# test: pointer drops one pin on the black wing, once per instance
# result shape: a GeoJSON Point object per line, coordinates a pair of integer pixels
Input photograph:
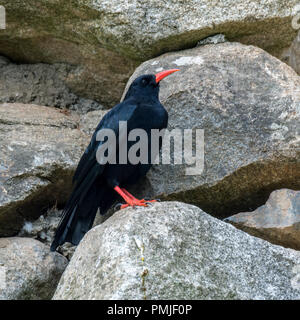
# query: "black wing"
{"type": "Point", "coordinates": [86, 174]}
{"type": "Point", "coordinates": [88, 161]}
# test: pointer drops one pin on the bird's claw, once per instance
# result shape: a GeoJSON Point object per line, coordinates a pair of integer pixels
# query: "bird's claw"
{"type": "Point", "coordinates": [134, 203]}
{"type": "Point", "coordinates": [130, 200]}
{"type": "Point", "coordinates": [118, 206]}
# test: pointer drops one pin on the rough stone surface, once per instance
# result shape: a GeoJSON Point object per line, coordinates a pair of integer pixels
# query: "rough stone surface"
{"type": "Point", "coordinates": [43, 229]}
{"type": "Point", "coordinates": [3, 61]}
{"type": "Point", "coordinates": [41, 148]}
{"type": "Point", "coordinates": [218, 38]}
{"type": "Point", "coordinates": [278, 221]}
{"type": "Point", "coordinates": [67, 32]}
{"type": "Point", "coordinates": [295, 54]}
{"type": "Point", "coordinates": [248, 104]}
{"type": "Point", "coordinates": [173, 250]}
{"type": "Point", "coordinates": [28, 270]}
{"type": "Point", "coordinates": [40, 84]}
{"type": "Point", "coordinates": [106, 40]}
{"type": "Point", "coordinates": [89, 122]}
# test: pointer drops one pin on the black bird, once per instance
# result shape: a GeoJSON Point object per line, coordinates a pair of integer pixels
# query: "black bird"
{"type": "Point", "coordinates": [97, 185]}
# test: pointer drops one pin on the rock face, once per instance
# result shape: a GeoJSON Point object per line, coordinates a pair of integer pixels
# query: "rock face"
{"type": "Point", "coordinates": [106, 40]}
{"type": "Point", "coordinates": [40, 84]}
{"type": "Point", "coordinates": [41, 148]}
{"type": "Point", "coordinates": [247, 103]}
{"type": "Point", "coordinates": [278, 221]}
{"type": "Point", "coordinates": [88, 122]}
{"type": "Point", "coordinates": [295, 54]}
{"type": "Point", "coordinates": [43, 229]}
{"type": "Point", "coordinates": [173, 250]}
{"type": "Point", "coordinates": [156, 27]}
{"type": "Point", "coordinates": [28, 270]}
{"type": "Point", "coordinates": [70, 33]}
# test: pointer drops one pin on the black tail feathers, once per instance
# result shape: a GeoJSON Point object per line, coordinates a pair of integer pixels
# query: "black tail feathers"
{"type": "Point", "coordinates": [79, 214]}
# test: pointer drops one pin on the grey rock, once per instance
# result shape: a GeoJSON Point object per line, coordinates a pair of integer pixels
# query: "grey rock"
{"type": "Point", "coordinates": [278, 221]}
{"type": "Point", "coordinates": [3, 61]}
{"type": "Point", "coordinates": [41, 84]}
{"type": "Point", "coordinates": [247, 102]}
{"type": "Point", "coordinates": [41, 149]}
{"type": "Point", "coordinates": [172, 250]}
{"type": "Point", "coordinates": [218, 38]}
{"type": "Point", "coordinates": [89, 121]}
{"type": "Point", "coordinates": [70, 33]}
{"type": "Point", "coordinates": [295, 54]}
{"type": "Point", "coordinates": [106, 40]}
{"type": "Point", "coordinates": [28, 270]}
{"type": "Point", "coordinates": [43, 229]}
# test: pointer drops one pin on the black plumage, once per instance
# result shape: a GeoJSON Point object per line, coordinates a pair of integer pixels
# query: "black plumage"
{"type": "Point", "coordinates": [93, 183]}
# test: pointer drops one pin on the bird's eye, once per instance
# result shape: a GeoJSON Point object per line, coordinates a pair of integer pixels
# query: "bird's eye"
{"type": "Point", "coordinates": [144, 82]}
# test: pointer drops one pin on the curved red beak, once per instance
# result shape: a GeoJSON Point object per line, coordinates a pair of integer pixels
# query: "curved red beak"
{"type": "Point", "coordinates": [159, 76]}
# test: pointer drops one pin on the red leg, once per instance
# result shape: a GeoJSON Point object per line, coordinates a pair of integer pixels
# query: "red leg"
{"type": "Point", "coordinates": [130, 199]}
{"type": "Point", "coordinates": [128, 194]}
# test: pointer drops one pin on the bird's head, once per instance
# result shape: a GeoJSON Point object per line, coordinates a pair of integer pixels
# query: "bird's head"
{"type": "Point", "coordinates": [147, 85]}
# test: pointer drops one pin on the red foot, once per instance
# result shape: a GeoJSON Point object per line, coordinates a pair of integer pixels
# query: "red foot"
{"type": "Point", "coordinates": [130, 199]}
